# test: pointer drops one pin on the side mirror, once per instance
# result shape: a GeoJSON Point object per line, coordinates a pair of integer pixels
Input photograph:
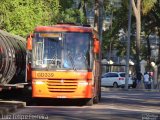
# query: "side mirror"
{"type": "Point", "coordinates": [96, 46]}
{"type": "Point", "coordinates": [29, 42]}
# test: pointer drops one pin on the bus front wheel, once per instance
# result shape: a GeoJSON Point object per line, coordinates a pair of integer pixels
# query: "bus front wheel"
{"type": "Point", "coordinates": [96, 99]}
{"type": "Point", "coordinates": [89, 102]}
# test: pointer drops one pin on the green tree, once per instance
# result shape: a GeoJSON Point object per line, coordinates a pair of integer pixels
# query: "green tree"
{"type": "Point", "coordinates": [151, 25]}
{"type": "Point", "coordinates": [119, 18]}
{"type": "Point", "coordinates": [145, 6]}
{"type": "Point", "coordinates": [21, 17]}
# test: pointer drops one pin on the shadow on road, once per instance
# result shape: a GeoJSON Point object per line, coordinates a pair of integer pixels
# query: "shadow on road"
{"type": "Point", "coordinates": [25, 96]}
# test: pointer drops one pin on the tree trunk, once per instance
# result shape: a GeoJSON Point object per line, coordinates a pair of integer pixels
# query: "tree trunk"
{"type": "Point", "coordinates": [158, 77]}
{"type": "Point", "coordinates": [98, 18]}
{"type": "Point", "coordinates": [100, 24]}
{"type": "Point", "coordinates": [148, 53]}
{"type": "Point", "coordinates": [96, 15]}
{"type": "Point", "coordinates": [138, 41]}
{"type": "Point", "coordinates": [137, 13]}
{"type": "Point", "coordinates": [158, 66]}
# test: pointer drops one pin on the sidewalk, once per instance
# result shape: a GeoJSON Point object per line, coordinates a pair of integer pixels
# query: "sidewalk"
{"type": "Point", "coordinates": [130, 89]}
{"type": "Point", "coordinates": [10, 106]}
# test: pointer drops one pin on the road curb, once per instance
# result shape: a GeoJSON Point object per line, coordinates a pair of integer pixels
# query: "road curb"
{"type": "Point", "coordinates": [122, 89]}
{"type": "Point", "coordinates": [10, 106]}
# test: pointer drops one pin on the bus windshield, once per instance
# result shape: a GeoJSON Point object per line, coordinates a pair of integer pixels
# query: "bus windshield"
{"type": "Point", "coordinates": [67, 50]}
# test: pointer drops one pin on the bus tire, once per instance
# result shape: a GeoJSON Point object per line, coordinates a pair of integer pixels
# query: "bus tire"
{"type": "Point", "coordinates": [96, 99]}
{"type": "Point", "coordinates": [99, 94]}
{"type": "Point", "coordinates": [89, 102]}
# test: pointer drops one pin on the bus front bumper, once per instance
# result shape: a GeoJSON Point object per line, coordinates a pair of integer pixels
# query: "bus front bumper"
{"type": "Point", "coordinates": [43, 89]}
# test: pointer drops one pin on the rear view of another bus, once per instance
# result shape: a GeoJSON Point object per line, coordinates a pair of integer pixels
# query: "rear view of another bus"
{"type": "Point", "coordinates": [65, 63]}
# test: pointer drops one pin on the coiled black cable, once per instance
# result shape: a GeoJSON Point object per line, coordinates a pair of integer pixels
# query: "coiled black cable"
{"type": "Point", "coordinates": [12, 58]}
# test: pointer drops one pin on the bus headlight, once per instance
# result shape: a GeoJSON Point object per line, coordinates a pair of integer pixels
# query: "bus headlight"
{"type": "Point", "coordinates": [84, 83]}
{"type": "Point", "coordinates": [38, 82]}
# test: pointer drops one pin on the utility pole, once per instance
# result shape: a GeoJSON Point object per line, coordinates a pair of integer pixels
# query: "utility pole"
{"type": "Point", "coordinates": [128, 45]}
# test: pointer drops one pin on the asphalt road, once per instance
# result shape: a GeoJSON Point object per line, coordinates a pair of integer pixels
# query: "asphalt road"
{"type": "Point", "coordinates": [115, 105]}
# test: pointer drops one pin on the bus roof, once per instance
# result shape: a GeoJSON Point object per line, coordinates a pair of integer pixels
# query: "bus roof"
{"type": "Point", "coordinates": [63, 28]}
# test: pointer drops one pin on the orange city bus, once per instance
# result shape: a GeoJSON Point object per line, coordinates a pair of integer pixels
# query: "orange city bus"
{"type": "Point", "coordinates": [64, 62]}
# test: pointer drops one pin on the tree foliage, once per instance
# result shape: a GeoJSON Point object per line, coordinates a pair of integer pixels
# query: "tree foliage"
{"type": "Point", "coordinates": [147, 6]}
{"type": "Point", "coordinates": [22, 16]}
{"type": "Point", "coordinates": [150, 11]}
{"type": "Point", "coordinates": [119, 18]}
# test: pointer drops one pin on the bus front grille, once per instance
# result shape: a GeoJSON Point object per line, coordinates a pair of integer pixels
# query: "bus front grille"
{"type": "Point", "coordinates": [62, 85]}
